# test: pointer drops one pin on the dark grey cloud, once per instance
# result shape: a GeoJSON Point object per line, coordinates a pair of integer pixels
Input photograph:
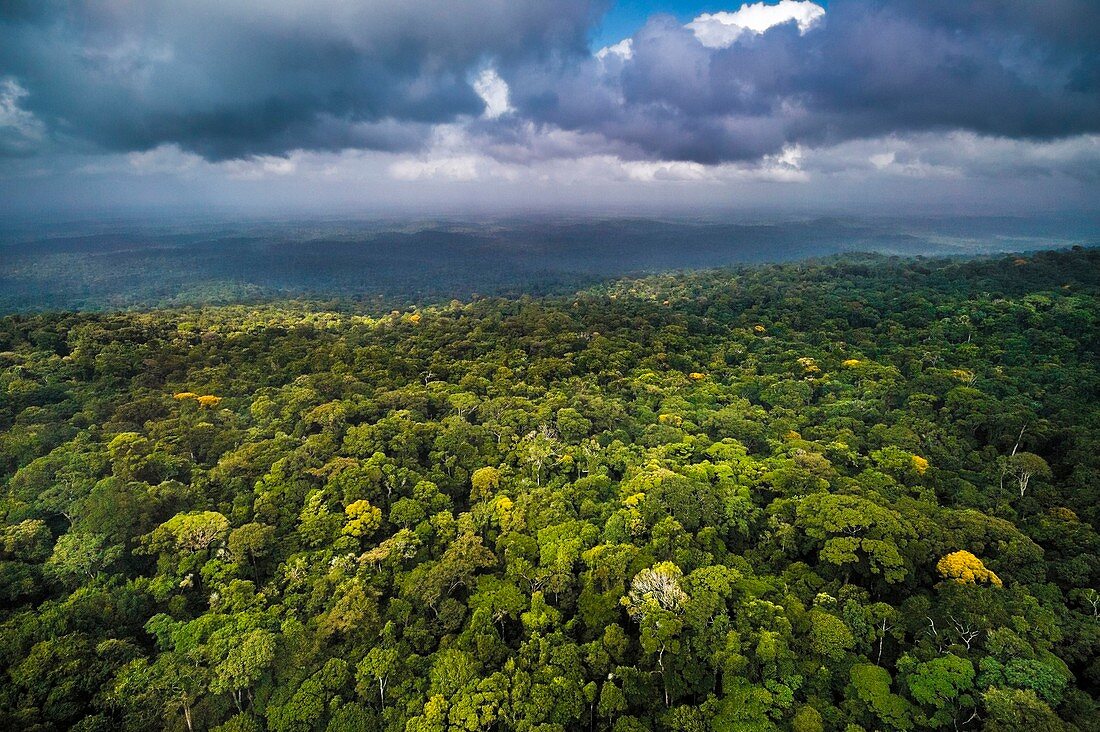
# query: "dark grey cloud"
{"type": "Point", "coordinates": [1014, 69]}
{"type": "Point", "coordinates": [238, 78]}
{"type": "Point", "coordinates": [232, 78]}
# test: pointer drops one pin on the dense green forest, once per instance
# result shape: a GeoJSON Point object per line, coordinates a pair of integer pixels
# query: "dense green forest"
{"type": "Point", "coordinates": [853, 494]}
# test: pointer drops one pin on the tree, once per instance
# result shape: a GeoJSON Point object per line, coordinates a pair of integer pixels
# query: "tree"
{"type": "Point", "coordinates": [363, 519]}
{"type": "Point", "coordinates": [1018, 709]}
{"type": "Point", "coordinates": [251, 542]}
{"type": "Point", "coordinates": [807, 719]}
{"type": "Point", "coordinates": [853, 530]}
{"type": "Point", "coordinates": [375, 671]}
{"type": "Point", "coordinates": [656, 602]}
{"type": "Point", "coordinates": [1089, 598]}
{"type": "Point", "coordinates": [943, 684]}
{"type": "Point", "coordinates": [655, 588]}
{"type": "Point", "coordinates": [456, 568]}
{"type": "Point", "coordinates": [196, 531]}
{"type": "Point", "coordinates": [483, 483]}
{"type": "Point", "coordinates": [1023, 466]}
{"type": "Point", "coordinates": [871, 686]}
{"type": "Point", "coordinates": [965, 568]}
{"type": "Point", "coordinates": [538, 447]}
{"type": "Point", "coordinates": [55, 678]}
{"type": "Point", "coordinates": [317, 523]}
{"type": "Point", "coordinates": [572, 425]}
{"type": "Point", "coordinates": [81, 556]}
{"type": "Point", "coordinates": [1024, 673]}
{"type": "Point", "coordinates": [28, 540]}
{"type": "Point", "coordinates": [130, 454]}
{"type": "Point", "coordinates": [153, 693]}
{"type": "Point", "coordinates": [244, 665]}
{"type": "Point", "coordinates": [830, 636]}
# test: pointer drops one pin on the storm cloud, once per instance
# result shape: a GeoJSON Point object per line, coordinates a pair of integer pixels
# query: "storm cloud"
{"type": "Point", "coordinates": [447, 86]}
{"type": "Point", "coordinates": [865, 69]}
{"type": "Point", "coordinates": [232, 78]}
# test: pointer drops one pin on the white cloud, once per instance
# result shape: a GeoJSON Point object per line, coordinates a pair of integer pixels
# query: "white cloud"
{"type": "Point", "coordinates": [781, 168]}
{"type": "Point", "coordinates": [462, 168]}
{"type": "Point", "coordinates": [883, 160]}
{"type": "Point", "coordinates": [721, 30]}
{"type": "Point", "coordinates": [624, 49]}
{"type": "Point", "coordinates": [20, 130]}
{"type": "Point", "coordinates": [451, 156]}
{"type": "Point", "coordinates": [164, 159]}
{"type": "Point", "coordinates": [493, 90]}
{"type": "Point", "coordinates": [173, 161]}
{"type": "Point", "coordinates": [565, 157]}
{"type": "Point", "coordinates": [261, 167]}
{"type": "Point", "coordinates": [959, 155]}
{"type": "Point", "coordinates": [664, 170]}
{"type": "Point", "coordinates": [562, 163]}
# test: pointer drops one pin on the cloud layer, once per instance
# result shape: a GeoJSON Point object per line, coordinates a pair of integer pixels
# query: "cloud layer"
{"type": "Point", "coordinates": [509, 90]}
{"type": "Point", "coordinates": [863, 69]}
{"type": "Point", "coordinates": [231, 78]}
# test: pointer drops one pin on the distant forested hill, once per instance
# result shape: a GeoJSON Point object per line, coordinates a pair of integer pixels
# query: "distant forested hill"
{"type": "Point", "coordinates": [854, 494]}
{"type": "Point", "coordinates": [110, 266]}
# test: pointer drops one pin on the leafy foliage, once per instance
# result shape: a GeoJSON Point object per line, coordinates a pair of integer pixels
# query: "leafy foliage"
{"type": "Point", "coordinates": [851, 494]}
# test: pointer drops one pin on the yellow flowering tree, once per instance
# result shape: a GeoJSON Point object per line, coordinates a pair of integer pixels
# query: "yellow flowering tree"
{"type": "Point", "coordinates": [965, 568]}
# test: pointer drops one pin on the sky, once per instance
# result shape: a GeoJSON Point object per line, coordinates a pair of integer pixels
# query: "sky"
{"type": "Point", "coordinates": [907, 106]}
{"type": "Point", "coordinates": [623, 19]}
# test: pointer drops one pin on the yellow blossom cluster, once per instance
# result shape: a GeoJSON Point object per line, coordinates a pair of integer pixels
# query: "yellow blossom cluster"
{"type": "Point", "coordinates": [965, 568]}
{"type": "Point", "coordinates": [206, 400]}
{"type": "Point", "coordinates": [809, 365]}
{"type": "Point", "coordinates": [502, 509]}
